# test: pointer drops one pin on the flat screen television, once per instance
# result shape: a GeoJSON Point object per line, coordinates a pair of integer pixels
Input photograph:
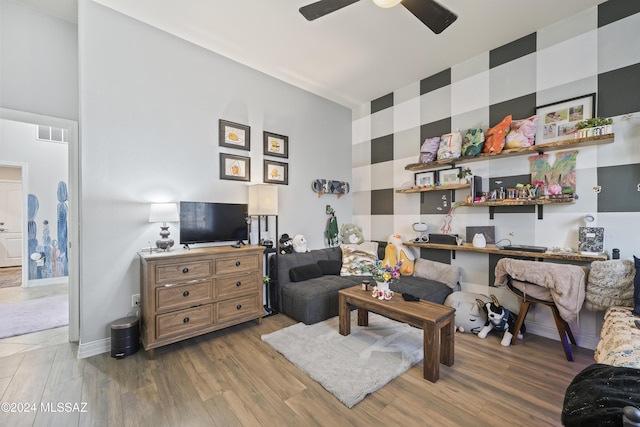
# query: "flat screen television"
{"type": "Point", "coordinates": [206, 222]}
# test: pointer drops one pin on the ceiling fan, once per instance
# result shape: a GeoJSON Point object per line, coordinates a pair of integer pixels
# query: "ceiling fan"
{"type": "Point", "coordinates": [432, 14]}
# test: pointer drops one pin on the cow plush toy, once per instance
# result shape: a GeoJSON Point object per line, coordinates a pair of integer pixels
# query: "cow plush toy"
{"type": "Point", "coordinates": [500, 319]}
{"type": "Point", "coordinates": [469, 316]}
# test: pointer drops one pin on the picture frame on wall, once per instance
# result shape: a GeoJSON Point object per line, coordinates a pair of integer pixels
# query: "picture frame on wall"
{"type": "Point", "coordinates": [275, 145]}
{"type": "Point", "coordinates": [276, 172]}
{"type": "Point", "coordinates": [557, 121]}
{"type": "Point", "coordinates": [235, 168]}
{"type": "Point", "coordinates": [234, 135]}
{"type": "Point", "coordinates": [449, 176]}
{"type": "Point", "coordinates": [425, 179]}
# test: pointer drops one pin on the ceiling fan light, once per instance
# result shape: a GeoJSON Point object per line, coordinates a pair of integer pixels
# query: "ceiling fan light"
{"type": "Point", "coordinates": [386, 3]}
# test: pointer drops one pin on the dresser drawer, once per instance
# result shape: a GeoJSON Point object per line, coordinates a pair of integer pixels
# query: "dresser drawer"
{"type": "Point", "coordinates": [180, 272]}
{"type": "Point", "coordinates": [183, 321]}
{"type": "Point", "coordinates": [183, 296]}
{"type": "Point", "coordinates": [237, 285]}
{"type": "Point", "coordinates": [239, 307]}
{"type": "Point", "coordinates": [237, 264]}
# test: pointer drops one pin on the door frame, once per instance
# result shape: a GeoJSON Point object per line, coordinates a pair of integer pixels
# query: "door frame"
{"type": "Point", "coordinates": [74, 248]}
{"type": "Point", "coordinates": [24, 173]}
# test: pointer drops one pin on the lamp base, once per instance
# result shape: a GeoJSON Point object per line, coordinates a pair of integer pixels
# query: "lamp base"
{"type": "Point", "coordinates": [164, 243]}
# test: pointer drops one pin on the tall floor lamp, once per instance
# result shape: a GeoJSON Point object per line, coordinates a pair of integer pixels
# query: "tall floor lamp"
{"type": "Point", "coordinates": [263, 201]}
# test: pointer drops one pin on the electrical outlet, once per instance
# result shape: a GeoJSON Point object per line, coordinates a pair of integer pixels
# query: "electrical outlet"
{"type": "Point", "coordinates": [135, 300]}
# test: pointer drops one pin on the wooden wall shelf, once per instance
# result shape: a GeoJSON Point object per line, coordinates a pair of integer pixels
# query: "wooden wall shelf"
{"type": "Point", "coordinates": [493, 249]}
{"type": "Point", "coordinates": [518, 202]}
{"type": "Point", "coordinates": [552, 146]}
{"type": "Point", "coordinates": [435, 188]}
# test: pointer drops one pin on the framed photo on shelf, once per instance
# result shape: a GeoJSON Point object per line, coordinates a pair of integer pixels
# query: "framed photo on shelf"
{"type": "Point", "coordinates": [275, 145]}
{"type": "Point", "coordinates": [276, 172]}
{"type": "Point", "coordinates": [234, 135]}
{"type": "Point", "coordinates": [449, 176]}
{"type": "Point", "coordinates": [425, 179]}
{"type": "Point", "coordinates": [235, 168]}
{"type": "Point", "coordinates": [557, 122]}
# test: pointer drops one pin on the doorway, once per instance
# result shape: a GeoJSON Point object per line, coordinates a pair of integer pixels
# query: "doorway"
{"type": "Point", "coordinates": [73, 203]}
{"type": "Point", "coordinates": [10, 216]}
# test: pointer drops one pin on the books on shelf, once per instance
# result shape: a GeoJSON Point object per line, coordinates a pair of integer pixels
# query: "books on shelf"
{"type": "Point", "coordinates": [590, 240]}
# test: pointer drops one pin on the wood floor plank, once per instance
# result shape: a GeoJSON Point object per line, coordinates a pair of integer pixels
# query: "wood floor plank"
{"type": "Point", "coordinates": [142, 406]}
{"type": "Point", "coordinates": [61, 404]}
{"type": "Point", "coordinates": [102, 394]}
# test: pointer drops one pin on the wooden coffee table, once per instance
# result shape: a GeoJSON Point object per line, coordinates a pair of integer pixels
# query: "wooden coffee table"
{"type": "Point", "coordinates": [436, 321]}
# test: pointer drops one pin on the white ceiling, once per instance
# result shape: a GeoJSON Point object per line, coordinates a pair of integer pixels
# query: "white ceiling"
{"type": "Point", "coordinates": [351, 56]}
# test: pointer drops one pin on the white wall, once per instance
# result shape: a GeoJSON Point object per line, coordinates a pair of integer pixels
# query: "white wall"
{"type": "Point", "coordinates": [38, 62]}
{"type": "Point", "coordinates": [149, 109]}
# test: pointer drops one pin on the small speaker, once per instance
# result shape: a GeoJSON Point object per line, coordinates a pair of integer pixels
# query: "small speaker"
{"type": "Point", "coordinates": [125, 337]}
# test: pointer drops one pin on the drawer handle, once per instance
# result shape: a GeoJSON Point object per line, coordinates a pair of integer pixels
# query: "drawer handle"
{"type": "Point", "coordinates": [237, 263]}
{"type": "Point", "coordinates": [185, 270]}
{"type": "Point", "coordinates": [185, 320]}
{"type": "Point", "coordinates": [238, 307]}
{"type": "Point", "coordinates": [185, 294]}
{"type": "Point", "coordinates": [238, 283]}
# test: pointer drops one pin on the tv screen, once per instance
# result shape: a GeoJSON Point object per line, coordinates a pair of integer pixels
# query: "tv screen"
{"type": "Point", "coordinates": [204, 222]}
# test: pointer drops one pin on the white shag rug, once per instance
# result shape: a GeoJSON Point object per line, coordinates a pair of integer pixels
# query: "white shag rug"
{"type": "Point", "coordinates": [24, 317]}
{"type": "Point", "coordinates": [352, 366]}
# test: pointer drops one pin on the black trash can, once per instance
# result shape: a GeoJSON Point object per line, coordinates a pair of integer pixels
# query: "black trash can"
{"type": "Point", "coordinates": [125, 337]}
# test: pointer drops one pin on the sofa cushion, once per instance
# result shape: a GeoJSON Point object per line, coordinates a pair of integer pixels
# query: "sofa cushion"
{"type": "Point", "coordinates": [305, 272]}
{"type": "Point", "coordinates": [365, 254]}
{"type": "Point", "coordinates": [429, 290]}
{"type": "Point", "coordinates": [432, 270]}
{"type": "Point", "coordinates": [330, 267]}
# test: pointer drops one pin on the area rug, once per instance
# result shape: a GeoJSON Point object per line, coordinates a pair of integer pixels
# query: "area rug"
{"type": "Point", "coordinates": [23, 317]}
{"type": "Point", "coordinates": [10, 277]}
{"type": "Point", "coordinates": [352, 366]}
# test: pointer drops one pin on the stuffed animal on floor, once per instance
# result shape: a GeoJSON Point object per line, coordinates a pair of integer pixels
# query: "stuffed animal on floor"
{"type": "Point", "coordinates": [300, 244]}
{"type": "Point", "coordinates": [351, 234]}
{"type": "Point", "coordinates": [500, 319]}
{"type": "Point", "coordinates": [286, 244]}
{"type": "Point", "coordinates": [403, 254]}
{"type": "Point", "coordinates": [470, 317]}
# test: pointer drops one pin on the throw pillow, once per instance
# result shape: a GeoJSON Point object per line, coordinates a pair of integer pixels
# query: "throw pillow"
{"type": "Point", "coordinates": [438, 271]}
{"type": "Point", "coordinates": [305, 272]}
{"type": "Point", "coordinates": [330, 267]}
{"type": "Point", "coordinates": [636, 288]}
{"type": "Point", "coordinates": [610, 283]}
{"type": "Point", "coordinates": [495, 136]}
{"type": "Point", "coordinates": [366, 254]}
{"type": "Point", "coordinates": [429, 149]}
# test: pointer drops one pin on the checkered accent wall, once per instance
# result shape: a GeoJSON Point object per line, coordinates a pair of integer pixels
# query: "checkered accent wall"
{"type": "Point", "coordinates": [595, 51]}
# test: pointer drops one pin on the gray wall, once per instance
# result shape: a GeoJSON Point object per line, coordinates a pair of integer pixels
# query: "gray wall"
{"type": "Point", "coordinates": [38, 62]}
{"type": "Point", "coordinates": [150, 104]}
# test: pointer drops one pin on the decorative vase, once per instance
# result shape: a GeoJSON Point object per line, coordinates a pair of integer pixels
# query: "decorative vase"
{"type": "Point", "coordinates": [479, 241]}
{"type": "Point", "coordinates": [382, 291]}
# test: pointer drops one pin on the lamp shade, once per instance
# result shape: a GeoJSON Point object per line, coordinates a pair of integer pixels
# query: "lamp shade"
{"type": "Point", "coordinates": [163, 212]}
{"type": "Point", "coordinates": [386, 3]}
{"type": "Point", "coordinates": [263, 199]}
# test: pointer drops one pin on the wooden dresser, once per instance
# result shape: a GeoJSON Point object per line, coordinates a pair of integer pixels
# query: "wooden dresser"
{"type": "Point", "coordinates": [186, 293]}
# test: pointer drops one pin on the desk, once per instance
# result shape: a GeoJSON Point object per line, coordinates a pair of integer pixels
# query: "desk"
{"type": "Point", "coordinates": [492, 249]}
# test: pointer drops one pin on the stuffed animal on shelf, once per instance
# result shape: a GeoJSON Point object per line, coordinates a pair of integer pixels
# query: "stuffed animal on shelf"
{"type": "Point", "coordinates": [470, 317]}
{"type": "Point", "coordinates": [286, 244]}
{"type": "Point", "coordinates": [300, 244]}
{"type": "Point", "coordinates": [500, 319]}
{"type": "Point", "coordinates": [351, 234]}
{"type": "Point", "coordinates": [403, 254]}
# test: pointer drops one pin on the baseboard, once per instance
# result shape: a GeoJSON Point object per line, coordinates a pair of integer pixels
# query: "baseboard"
{"type": "Point", "coordinates": [94, 348]}
{"type": "Point", "coordinates": [582, 340]}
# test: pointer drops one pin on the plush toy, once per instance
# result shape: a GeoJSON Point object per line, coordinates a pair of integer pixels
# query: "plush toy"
{"type": "Point", "coordinates": [286, 244]}
{"type": "Point", "coordinates": [500, 319]}
{"type": "Point", "coordinates": [351, 234]}
{"type": "Point", "coordinates": [403, 254]}
{"type": "Point", "coordinates": [469, 316]}
{"type": "Point", "coordinates": [300, 244]}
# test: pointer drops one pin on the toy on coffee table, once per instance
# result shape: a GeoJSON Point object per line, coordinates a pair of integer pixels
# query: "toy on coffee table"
{"type": "Point", "coordinates": [499, 319]}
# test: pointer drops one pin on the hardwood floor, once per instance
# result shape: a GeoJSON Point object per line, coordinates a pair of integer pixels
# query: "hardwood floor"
{"type": "Point", "coordinates": [232, 378]}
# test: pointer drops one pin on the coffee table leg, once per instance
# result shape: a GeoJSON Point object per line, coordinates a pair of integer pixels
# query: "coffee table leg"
{"type": "Point", "coordinates": [344, 315]}
{"type": "Point", "coordinates": [431, 343]}
{"type": "Point", "coordinates": [447, 341]}
{"type": "Point", "coordinates": [363, 317]}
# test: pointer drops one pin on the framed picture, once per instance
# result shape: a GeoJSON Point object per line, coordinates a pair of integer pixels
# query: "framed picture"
{"type": "Point", "coordinates": [449, 176]}
{"type": "Point", "coordinates": [275, 145]}
{"type": "Point", "coordinates": [276, 172]}
{"type": "Point", "coordinates": [235, 168]}
{"type": "Point", "coordinates": [234, 135]}
{"type": "Point", "coordinates": [425, 179]}
{"type": "Point", "coordinates": [557, 122]}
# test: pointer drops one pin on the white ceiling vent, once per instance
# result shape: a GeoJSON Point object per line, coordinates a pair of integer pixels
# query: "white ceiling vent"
{"type": "Point", "coordinates": [51, 134]}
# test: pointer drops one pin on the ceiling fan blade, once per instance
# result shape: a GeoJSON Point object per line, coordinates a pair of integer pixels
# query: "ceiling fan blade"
{"type": "Point", "coordinates": [323, 7]}
{"type": "Point", "coordinates": [432, 14]}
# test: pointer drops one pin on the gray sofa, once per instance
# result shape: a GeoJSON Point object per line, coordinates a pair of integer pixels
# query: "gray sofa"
{"type": "Point", "coordinates": [316, 299]}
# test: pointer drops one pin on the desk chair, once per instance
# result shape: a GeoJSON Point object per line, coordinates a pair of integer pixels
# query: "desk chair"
{"type": "Point", "coordinates": [566, 336]}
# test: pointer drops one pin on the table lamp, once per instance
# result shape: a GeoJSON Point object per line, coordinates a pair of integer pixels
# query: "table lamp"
{"type": "Point", "coordinates": [164, 212]}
